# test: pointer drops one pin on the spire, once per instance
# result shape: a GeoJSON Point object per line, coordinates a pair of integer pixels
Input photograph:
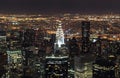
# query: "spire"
{"type": "Point", "coordinates": [59, 35]}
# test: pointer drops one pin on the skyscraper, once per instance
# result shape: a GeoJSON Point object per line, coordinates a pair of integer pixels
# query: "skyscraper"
{"type": "Point", "coordinates": [29, 37]}
{"type": "Point", "coordinates": [85, 36]}
{"type": "Point", "coordinates": [56, 65]}
{"type": "Point", "coordinates": [59, 35]}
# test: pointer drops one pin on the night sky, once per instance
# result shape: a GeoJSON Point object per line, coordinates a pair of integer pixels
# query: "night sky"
{"type": "Point", "coordinates": [59, 6]}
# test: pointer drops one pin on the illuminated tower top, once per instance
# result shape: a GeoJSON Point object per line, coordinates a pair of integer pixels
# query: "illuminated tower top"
{"type": "Point", "coordinates": [59, 35]}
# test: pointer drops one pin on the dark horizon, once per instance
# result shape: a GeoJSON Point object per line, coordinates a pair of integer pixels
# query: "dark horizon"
{"type": "Point", "coordinates": [60, 6]}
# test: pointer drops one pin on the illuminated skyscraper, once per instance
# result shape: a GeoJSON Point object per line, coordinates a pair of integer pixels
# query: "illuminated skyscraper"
{"type": "Point", "coordinates": [57, 65]}
{"type": "Point", "coordinates": [59, 35]}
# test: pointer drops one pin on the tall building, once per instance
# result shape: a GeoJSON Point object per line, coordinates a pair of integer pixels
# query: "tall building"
{"type": "Point", "coordinates": [14, 40]}
{"type": "Point", "coordinates": [85, 36]}
{"type": "Point", "coordinates": [53, 38]}
{"type": "Point", "coordinates": [3, 42]}
{"type": "Point", "coordinates": [56, 65]}
{"type": "Point", "coordinates": [29, 37]}
{"type": "Point", "coordinates": [3, 59]}
{"type": "Point", "coordinates": [59, 36]}
{"type": "Point", "coordinates": [73, 47]}
{"type": "Point", "coordinates": [3, 45]}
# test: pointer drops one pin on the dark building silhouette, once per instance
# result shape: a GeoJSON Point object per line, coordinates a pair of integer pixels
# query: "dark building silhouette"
{"type": "Point", "coordinates": [104, 68]}
{"type": "Point", "coordinates": [2, 33]}
{"type": "Point", "coordinates": [3, 59]}
{"type": "Point", "coordinates": [29, 37]}
{"type": "Point", "coordinates": [53, 38]}
{"type": "Point", "coordinates": [85, 36]}
{"type": "Point", "coordinates": [73, 47]}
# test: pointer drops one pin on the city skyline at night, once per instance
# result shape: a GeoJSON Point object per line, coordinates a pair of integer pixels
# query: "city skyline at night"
{"type": "Point", "coordinates": [59, 39]}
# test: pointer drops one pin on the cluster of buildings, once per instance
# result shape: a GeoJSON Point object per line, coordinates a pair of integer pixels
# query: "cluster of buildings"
{"type": "Point", "coordinates": [38, 52]}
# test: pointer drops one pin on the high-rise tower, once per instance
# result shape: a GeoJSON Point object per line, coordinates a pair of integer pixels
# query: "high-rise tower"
{"type": "Point", "coordinates": [59, 35]}
{"type": "Point", "coordinates": [85, 36]}
{"type": "Point", "coordinates": [57, 64]}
